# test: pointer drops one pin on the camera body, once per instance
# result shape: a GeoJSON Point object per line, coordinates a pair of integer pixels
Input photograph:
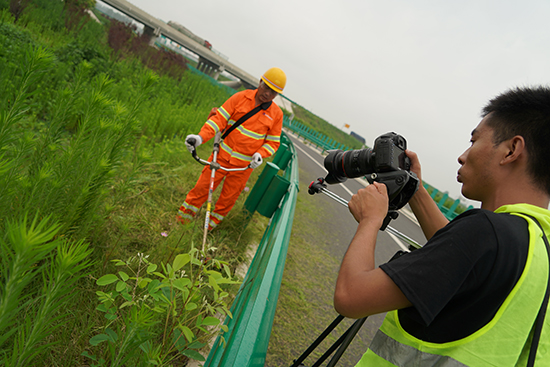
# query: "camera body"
{"type": "Point", "coordinates": [388, 154]}
{"type": "Point", "coordinates": [386, 163]}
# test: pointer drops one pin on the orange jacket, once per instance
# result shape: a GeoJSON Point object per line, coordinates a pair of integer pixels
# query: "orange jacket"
{"type": "Point", "coordinates": [260, 133]}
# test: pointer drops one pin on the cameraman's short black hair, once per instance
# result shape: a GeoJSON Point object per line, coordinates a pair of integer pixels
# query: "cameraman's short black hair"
{"type": "Point", "coordinates": [525, 111]}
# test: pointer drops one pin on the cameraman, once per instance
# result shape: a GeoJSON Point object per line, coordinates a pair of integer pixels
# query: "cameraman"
{"type": "Point", "coordinates": [471, 295]}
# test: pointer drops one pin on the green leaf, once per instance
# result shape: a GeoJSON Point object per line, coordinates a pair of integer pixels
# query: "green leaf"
{"type": "Point", "coordinates": [99, 339]}
{"type": "Point", "coordinates": [190, 306]}
{"type": "Point", "coordinates": [180, 261]}
{"type": "Point", "coordinates": [123, 275]}
{"type": "Point", "coordinates": [210, 321]}
{"type": "Point", "coordinates": [213, 282]}
{"type": "Point", "coordinates": [193, 355]}
{"type": "Point", "coordinates": [143, 282]}
{"type": "Point", "coordinates": [178, 339]}
{"type": "Point", "coordinates": [110, 316]}
{"type": "Point", "coordinates": [112, 334]}
{"type": "Point", "coordinates": [152, 287]}
{"type": "Point", "coordinates": [181, 283]}
{"type": "Point", "coordinates": [151, 268]}
{"type": "Point", "coordinates": [102, 308]}
{"type": "Point", "coordinates": [188, 333]}
{"type": "Point", "coordinates": [126, 304]}
{"type": "Point", "coordinates": [107, 279]}
{"type": "Point", "coordinates": [120, 286]}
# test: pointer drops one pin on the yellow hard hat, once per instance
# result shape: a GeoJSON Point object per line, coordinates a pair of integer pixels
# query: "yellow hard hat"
{"type": "Point", "coordinates": [275, 78]}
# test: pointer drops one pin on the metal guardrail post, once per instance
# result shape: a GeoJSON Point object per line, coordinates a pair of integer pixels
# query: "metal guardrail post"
{"type": "Point", "coordinates": [251, 203]}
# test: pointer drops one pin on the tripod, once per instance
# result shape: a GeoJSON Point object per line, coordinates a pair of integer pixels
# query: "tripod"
{"type": "Point", "coordinates": [345, 339]}
{"type": "Point", "coordinates": [342, 343]}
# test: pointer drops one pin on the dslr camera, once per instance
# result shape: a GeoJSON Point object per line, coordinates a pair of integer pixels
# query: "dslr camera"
{"type": "Point", "coordinates": [386, 163]}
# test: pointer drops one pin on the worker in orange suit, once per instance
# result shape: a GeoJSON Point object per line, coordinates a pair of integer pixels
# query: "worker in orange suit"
{"type": "Point", "coordinates": [247, 145]}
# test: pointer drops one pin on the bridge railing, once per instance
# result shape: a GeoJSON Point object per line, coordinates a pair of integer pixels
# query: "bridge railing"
{"type": "Point", "coordinates": [253, 309]}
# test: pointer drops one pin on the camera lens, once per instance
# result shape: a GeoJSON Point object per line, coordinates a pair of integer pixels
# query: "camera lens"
{"type": "Point", "coordinates": [343, 165]}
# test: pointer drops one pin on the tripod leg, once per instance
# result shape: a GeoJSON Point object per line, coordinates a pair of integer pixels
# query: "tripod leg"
{"type": "Point", "coordinates": [317, 341]}
{"type": "Point", "coordinates": [344, 338]}
{"type": "Point", "coordinates": [349, 337]}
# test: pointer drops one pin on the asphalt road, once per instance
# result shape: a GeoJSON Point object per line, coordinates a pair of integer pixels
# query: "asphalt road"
{"type": "Point", "coordinates": [340, 226]}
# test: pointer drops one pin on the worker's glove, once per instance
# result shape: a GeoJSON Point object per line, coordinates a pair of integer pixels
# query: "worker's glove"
{"type": "Point", "coordinates": [192, 142]}
{"type": "Point", "coordinates": [256, 160]}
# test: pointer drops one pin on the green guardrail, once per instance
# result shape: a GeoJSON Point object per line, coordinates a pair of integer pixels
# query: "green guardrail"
{"type": "Point", "coordinates": [320, 140]}
{"type": "Point", "coordinates": [449, 207]}
{"type": "Point", "coordinates": [246, 341]}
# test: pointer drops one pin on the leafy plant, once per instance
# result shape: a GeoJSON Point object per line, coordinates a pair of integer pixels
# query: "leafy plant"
{"type": "Point", "coordinates": [30, 314]}
{"type": "Point", "coordinates": [157, 315]}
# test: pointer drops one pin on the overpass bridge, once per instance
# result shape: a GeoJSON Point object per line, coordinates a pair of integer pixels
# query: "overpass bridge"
{"type": "Point", "coordinates": [209, 62]}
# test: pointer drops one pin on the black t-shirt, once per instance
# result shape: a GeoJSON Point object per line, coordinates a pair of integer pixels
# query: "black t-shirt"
{"type": "Point", "coordinates": [459, 279]}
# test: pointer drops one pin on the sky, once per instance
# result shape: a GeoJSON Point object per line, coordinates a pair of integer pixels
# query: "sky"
{"type": "Point", "coordinates": [423, 69]}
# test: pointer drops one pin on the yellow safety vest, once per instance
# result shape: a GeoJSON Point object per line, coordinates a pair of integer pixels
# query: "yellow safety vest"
{"type": "Point", "coordinates": [504, 341]}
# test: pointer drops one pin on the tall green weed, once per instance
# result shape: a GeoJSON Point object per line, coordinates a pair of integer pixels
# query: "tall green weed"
{"type": "Point", "coordinates": [87, 150]}
{"type": "Point", "coordinates": [38, 274]}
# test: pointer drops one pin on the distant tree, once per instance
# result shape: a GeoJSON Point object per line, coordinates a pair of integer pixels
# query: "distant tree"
{"type": "Point", "coordinates": [17, 7]}
{"type": "Point", "coordinates": [75, 11]}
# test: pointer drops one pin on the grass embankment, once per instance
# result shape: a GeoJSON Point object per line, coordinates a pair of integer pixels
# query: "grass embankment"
{"type": "Point", "coordinates": [318, 124]}
{"type": "Point", "coordinates": [92, 169]}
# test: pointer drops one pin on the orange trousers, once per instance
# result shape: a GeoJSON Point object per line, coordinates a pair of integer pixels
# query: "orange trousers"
{"type": "Point", "coordinates": [233, 185]}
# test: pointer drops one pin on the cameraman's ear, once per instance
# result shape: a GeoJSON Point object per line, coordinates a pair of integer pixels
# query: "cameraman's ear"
{"type": "Point", "coordinates": [514, 149]}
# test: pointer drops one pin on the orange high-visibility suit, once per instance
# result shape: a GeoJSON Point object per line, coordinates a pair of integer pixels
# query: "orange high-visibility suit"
{"type": "Point", "coordinates": [260, 133]}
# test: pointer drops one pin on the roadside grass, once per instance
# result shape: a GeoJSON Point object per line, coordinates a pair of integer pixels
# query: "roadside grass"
{"type": "Point", "coordinates": [143, 221]}
{"type": "Point", "coordinates": [97, 145]}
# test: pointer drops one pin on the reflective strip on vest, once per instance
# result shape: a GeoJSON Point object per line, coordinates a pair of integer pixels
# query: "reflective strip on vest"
{"type": "Point", "coordinates": [503, 341]}
{"type": "Point", "coordinates": [269, 148]}
{"type": "Point", "coordinates": [273, 138]}
{"type": "Point", "coordinates": [235, 154]}
{"type": "Point", "coordinates": [224, 113]}
{"type": "Point", "coordinates": [402, 355]}
{"type": "Point", "coordinates": [249, 133]}
{"type": "Point", "coordinates": [213, 125]}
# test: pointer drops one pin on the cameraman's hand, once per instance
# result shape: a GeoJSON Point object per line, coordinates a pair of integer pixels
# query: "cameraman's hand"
{"type": "Point", "coordinates": [370, 204]}
{"type": "Point", "coordinates": [415, 164]}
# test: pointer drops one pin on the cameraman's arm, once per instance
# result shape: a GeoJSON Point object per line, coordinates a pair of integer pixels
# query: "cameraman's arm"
{"type": "Point", "coordinates": [424, 207]}
{"type": "Point", "coordinates": [362, 289]}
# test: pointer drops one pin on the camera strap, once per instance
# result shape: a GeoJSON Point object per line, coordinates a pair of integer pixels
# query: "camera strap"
{"type": "Point", "coordinates": [542, 312]}
{"type": "Point", "coordinates": [263, 106]}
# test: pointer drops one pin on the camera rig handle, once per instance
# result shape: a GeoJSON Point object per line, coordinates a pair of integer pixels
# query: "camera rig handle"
{"type": "Point", "coordinates": [319, 186]}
